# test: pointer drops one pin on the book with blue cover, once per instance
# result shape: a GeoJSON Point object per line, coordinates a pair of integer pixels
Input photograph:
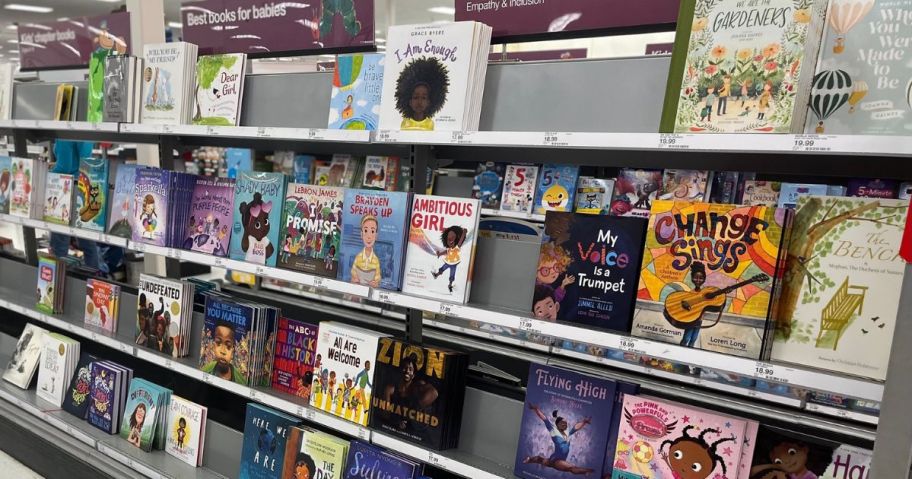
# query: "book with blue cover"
{"type": "Point", "coordinates": [373, 238]}
{"type": "Point", "coordinates": [790, 192]}
{"type": "Point", "coordinates": [258, 199]}
{"type": "Point", "coordinates": [357, 88]}
{"type": "Point", "coordinates": [6, 180]}
{"type": "Point", "coordinates": [556, 188]}
{"type": "Point", "coordinates": [226, 344]}
{"type": "Point", "coordinates": [140, 417]}
{"type": "Point", "coordinates": [120, 213]}
{"type": "Point", "coordinates": [366, 461]}
{"type": "Point", "coordinates": [92, 194]}
{"type": "Point", "coordinates": [150, 206]}
{"type": "Point", "coordinates": [565, 425]}
{"type": "Point", "coordinates": [265, 436]}
{"type": "Point", "coordinates": [489, 183]}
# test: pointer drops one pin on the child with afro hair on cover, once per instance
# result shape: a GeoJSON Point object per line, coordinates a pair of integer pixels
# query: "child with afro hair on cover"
{"type": "Point", "coordinates": [421, 91]}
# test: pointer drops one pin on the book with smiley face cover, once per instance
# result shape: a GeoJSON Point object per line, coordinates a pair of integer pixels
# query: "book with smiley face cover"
{"type": "Point", "coordinates": [258, 199]}
{"type": "Point", "coordinates": [556, 188]}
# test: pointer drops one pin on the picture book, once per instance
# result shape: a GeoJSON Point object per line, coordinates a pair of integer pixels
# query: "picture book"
{"type": "Point", "coordinates": [265, 438]}
{"type": "Point", "coordinates": [58, 198]}
{"type": "Point", "coordinates": [238, 160]}
{"type": "Point", "coordinates": [588, 269]}
{"type": "Point", "coordinates": [320, 454]}
{"type": "Point", "coordinates": [92, 194]}
{"type": "Point", "coordinates": [22, 365]}
{"type": "Point", "coordinates": [226, 343]}
{"type": "Point", "coordinates": [120, 221]}
{"type": "Point", "coordinates": [593, 195]}
{"type": "Point", "coordinates": [77, 398]}
{"type": "Point", "coordinates": [685, 185]}
{"type": "Point", "coordinates": [489, 184]}
{"type": "Point", "coordinates": [209, 228]}
{"type": "Point", "coordinates": [58, 359]}
{"type": "Point", "coordinates": [366, 461]}
{"type": "Point", "coordinates": [302, 168]}
{"type": "Point", "coordinates": [789, 453]}
{"type": "Point", "coordinates": [311, 229]}
{"type": "Point", "coordinates": [761, 193]}
{"type": "Point", "coordinates": [186, 430]}
{"type": "Point", "coordinates": [875, 188]}
{"type": "Point", "coordinates": [102, 304]}
{"type": "Point", "coordinates": [842, 283]}
{"type": "Point", "coordinates": [519, 186]}
{"type": "Point", "coordinates": [565, 423]}
{"type": "Point", "coordinates": [159, 314]}
{"type": "Point", "coordinates": [441, 247]}
{"type": "Point", "coordinates": [417, 393]}
{"type": "Point", "coordinates": [374, 229]}
{"type": "Point", "coordinates": [709, 275]}
{"type": "Point", "coordinates": [634, 192]}
{"type": "Point", "coordinates": [381, 173]}
{"type": "Point", "coordinates": [5, 180]}
{"type": "Point", "coordinates": [167, 78]}
{"type": "Point", "coordinates": [295, 354]}
{"type": "Point", "coordinates": [96, 92]}
{"type": "Point", "coordinates": [49, 280]}
{"type": "Point", "coordinates": [861, 85]}
{"type": "Point", "coordinates": [849, 462]}
{"type": "Point", "coordinates": [344, 385]}
{"type": "Point", "coordinates": [741, 67]}
{"type": "Point", "coordinates": [357, 86]}
{"type": "Point", "coordinates": [27, 187]}
{"type": "Point", "coordinates": [258, 199]}
{"type": "Point", "coordinates": [658, 438]}
{"type": "Point", "coordinates": [556, 188]}
{"type": "Point", "coordinates": [617, 413]}
{"type": "Point", "coordinates": [116, 83]}
{"type": "Point", "coordinates": [105, 395]}
{"type": "Point", "coordinates": [219, 89]}
{"type": "Point", "coordinates": [790, 192]}
{"type": "Point", "coordinates": [151, 206]}
{"type": "Point", "coordinates": [139, 416]}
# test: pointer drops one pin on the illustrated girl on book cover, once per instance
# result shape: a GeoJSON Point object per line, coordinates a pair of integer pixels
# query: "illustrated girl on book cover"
{"type": "Point", "coordinates": [137, 419]}
{"type": "Point", "coordinates": [452, 239]}
{"type": "Point", "coordinates": [421, 91]}
{"type": "Point", "coordinates": [148, 217]}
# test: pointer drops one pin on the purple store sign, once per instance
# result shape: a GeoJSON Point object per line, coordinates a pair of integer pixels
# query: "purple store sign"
{"type": "Point", "coordinates": [511, 18]}
{"type": "Point", "coordinates": [659, 48]}
{"type": "Point", "coordinates": [70, 43]}
{"type": "Point", "coordinates": [265, 28]}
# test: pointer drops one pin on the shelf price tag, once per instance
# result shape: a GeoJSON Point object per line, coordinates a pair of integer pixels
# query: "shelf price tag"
{"type": "Point", "coordinates": [212, 131]}
{"type": "Point", "coordinates": [384, 136]}
{"type": "Point", "coordinates": [628, 345]}
{"type": "Point", "coordinates": [768, 372]}
{"type": "Point", "coordinates": [167, 129]}
{"type": "Point", "coordinates": [259, 271]}
{"type": "Point", "coordinates": [318, 282]}
{"type": "Point", "coordinates": [551, 138]}
{"type": "Point", "coordinates": [262, 132]}
{"type": "Point", "coordinates": [363, 434]}
{"type": "Point", "coordinates": [218, 261]}
{"type": "Point", "coordinates": [447, 309]}
{"type": "Point", "coordinates": [672, 141]}
{"type": "Point", "coordinates": [435, 460]}
{"type": "Point", "coordinates": [254, 394]}
{"type": "Point", "coordinates": [310, 414]}
{"type": "Point", "coordinates": [313, 134]}
{"type": "Point", "coordinates": [811, 143]}
{"type": "Point", "coordinates": [384, 297]}
{"type": "Point", "coordinates": [526, 324]}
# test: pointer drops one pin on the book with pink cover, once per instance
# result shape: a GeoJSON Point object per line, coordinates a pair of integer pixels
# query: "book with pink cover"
{"type": "Point", "coordinates": [660, 439]}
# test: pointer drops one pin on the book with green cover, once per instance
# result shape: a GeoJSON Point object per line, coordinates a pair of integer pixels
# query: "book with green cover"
{"type": "Point", "coordinates": [319, 453]}
{"type": "Point", "coordinates": [95, 112]}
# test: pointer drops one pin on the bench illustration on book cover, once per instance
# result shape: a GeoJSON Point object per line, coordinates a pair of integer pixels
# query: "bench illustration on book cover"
{"type": "Point", "coordinates": [357, 88]}
{"type": "Point", "coordinates": [311, 229]}
{"type": "Point", "coordinates": [209, 229]}
{"type": "Point", "coordinates": [588, 269]}
{"type": "Point", "coordinates": [841, 286]}
{"type": "Point", "coordinates": [226, 340]}
{"type": "Point", "coordinates": [565, 424]}
{"type": "Point", "coordinates": [92, 194]}
{"type": "Point", "coordinates": [258, 199]}
{"type": "Point", "coordinates": [708, 275]}
{"type": "Point", "coordinates": [373, 238]}
{"type": "Point", "coordinates": [295, 354]}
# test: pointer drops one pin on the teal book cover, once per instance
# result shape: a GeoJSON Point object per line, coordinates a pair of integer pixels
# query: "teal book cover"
{"type": "Point", "coordinates": [140, 413]}
{"type": "Point", "coordinates": [357, 87]}
{"type": "Point", "coordinates": [258, 200]}
{"type": "Point", "coordinates": [92, 194]}
{"type": "Point", "coordinates": [265, 436]}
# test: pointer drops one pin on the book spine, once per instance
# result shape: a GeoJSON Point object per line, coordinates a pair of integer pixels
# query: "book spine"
{"type": "Point", "coordinates": [678, 63]}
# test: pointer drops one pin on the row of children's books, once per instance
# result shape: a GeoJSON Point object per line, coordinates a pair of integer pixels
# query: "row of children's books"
{"type": "Point", "coordinates": [107, 395]}
{"type": "Point", "coordinates": [576, 424]}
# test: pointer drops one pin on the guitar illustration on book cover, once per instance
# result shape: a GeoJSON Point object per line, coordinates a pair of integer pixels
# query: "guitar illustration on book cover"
{"type": "Point", "coordinates": [685, 309]}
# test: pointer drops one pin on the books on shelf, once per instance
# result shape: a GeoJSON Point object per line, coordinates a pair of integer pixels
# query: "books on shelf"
{"type": "Point", "coordinates": [51, 284]}
{"type": "Point", "coordinates": [593, 195]}
{"type": "Point", "coordinates": [92, 194]}
{"type": "Point", "coordinates": [164, 314]}
{"type": "Point", "coordinates": [724, 186]}
{"type": "Point", "coordinates": [108, 395]}
{"type": "Point", "coordinates": [102, 304]}
{"type": "Point", "coordinates": [186, 430]}
{"type": "Point", "coordinates": [381, 173]}
{"type": "Point", "coordinates": [22, 365]}
{"type": "Point", "coordinates": [258, 199]}
{"type": "Point", "coordinates": [685, 185]}
{"type": "Point", "coordinates": [761, 193]}
{"type": "Point", "coordinates": [369, 461]}
{"type": "Point", "coordinates": [122, 88]}
{"type": "Point", "coordinates": [58, 198]}
{"type": "Point", "coordinates": [77, 397]}
{"type": "Point", "coordinates": [709, 276]}
{"type": "Point", "coordinates": [738, 68]}
{"type": "Point", "coordinates": [373, 238]}
{"type": "Point", "coordinates": [121, 215]}
{"type": "Point", "coordinates": [790, 192]}
{"type": "Point", "coordinates": [872, 188]}
{"type": "Point", "coordinates": [489, 184]}
{"type": "Point", "coordinates": [265, 439]}
{"type": "Point", "coordinates": [311, 228]}
{"type": "Point", "coordinates": [418, 393]}
{"type": "Point", "coordinates": [434, 76]}
{"type": "Point", "coordinates": [209, 228]}
{"type": "Point", "coordinates": [143, 415]}
{"type": "Point", "coordinates": [587, 270]}
{"type": "Point", "coordinates": [634, 192]}
{"type": "Point", "coordinates": [556, 188]}
{"type": "Point", "coordinates": [320, 454]}
{"type": "Point", "coordinates": [842, 284]}
{"type": "Point", "coordinates": [7, 70]}
{"type": "Point", "coordinates": [59, 355]}
{"type": "Point", "coordinates": [6, 179]}
{"type": "Point", "coordinates": [238, 340]}
{"type": "Point", "coordinates": [295, 355]}
{"type": "Point", "coordinates": [344, 386]}
{"type": "Point", "coordinates": [65, 101]}
{"type": "Point", "coordinates": [357, 87]}
{"type": "Point", "coordinates": [152, 206]}
{"type": "Point", "coordinates": [219, 89]}
{"type": "Point", "coordinates": [28, 178]}
{"type": "Point", "coordinates": [861, 84]}
{"type": "Point", "coordinates": [168, 76]}
{"type": "Point", "coordinates": [519, 185]}
{"type": "Point", "coordinates": [441, 247]}
{"type": "Point", "coordinates": [96, 91]}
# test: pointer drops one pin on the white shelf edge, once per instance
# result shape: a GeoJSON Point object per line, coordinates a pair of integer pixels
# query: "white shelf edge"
{"type": "Point", "coordinates": [67, 230]}
{"type": "Point", "coordinates": [60, 125]}
{"type": "Point", "coordinates": [432, 458]}
{"type": "Point", "coordinates": [274, 133]}
{"type": "Point", "coordinates": [55, 422]}
{"type": "Point", "coordinates": [843, 413]}
{"type": "Point", "coordinates": [510, 214]}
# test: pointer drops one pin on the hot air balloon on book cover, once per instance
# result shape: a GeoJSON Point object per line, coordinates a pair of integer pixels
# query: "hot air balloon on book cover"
{"type": "Point", "coordinates": [863, 83]}
{"type": "Point", "coordinates": [357, 87]}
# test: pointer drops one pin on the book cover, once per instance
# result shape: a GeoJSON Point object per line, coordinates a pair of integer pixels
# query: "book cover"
{"type": "Point", "coordinates": [77, 397]}
{"type": "Point", "coordinates": [58, 353]}
{"type": "Point", "coordinates": [22, 172]}
{"type": "Point", "coordinates": [186, 423]}
{"type": "Point", "coordinates": [265, 439]}
{"type": "Point", "coordinates": [441, 247]}
{"type": "Point", "coordinates": [418, 392]}
{"type": "Point", "coordinates": [102, 301]}
{"type": "Point", "coordinates": [344, 385]}
{"type": "Point", "coordinates": [258, 199]}
{"type": "Point", "coordinates": [634, 192]}
{"type": "Point", "coordinates": [842, 283]}
{"type": "Point", "coordinates": [219, 88]}
{"type": "Point", "coordinates": [58, 198]}
{"type": "Point", "coordinates": [314, 454]}
{"type": "Point", "coordinates": [295, 354]}
{"type": "Point", "coordinates": [904, 193]}
{"type": "Point", "coordinates": [302, 167]}
{"type": "Point", "coordinates": [159, 312]}
{"type": "Point", "coordinates": [380, 173]}
{"type": "Point", "coordinates": [790, 192]}
{"type": "Point", "coordinates": [47, 284]}
{"type": "Point", "coordinates": [92, 194]}
{"type": "Point", "coordinates": [685, 185]}
{"type": "Point", "coordinates": [140, 415]}
{"type": "Point", "coordinates": [565, 424]}
{"type": "Point", "coordinates": [876, 188]}
{"type": "Point", "coordinates": [849, 462]}
{"type": "Point", "coordinates": [209, 229]}
{"type": "Point", "coordinates": [724, 187]}
{"type": "Point", "coordinates": [861, 85]}
{"type": "Point", "coordinates": [150, 206]}
{"type": "Point", "coordinates": [489, 184]}
{"type": "Point", "coordinates": [165, 83]}
{"type": "Point", "coordinates": [96, 91]}
{"type": "Point", "coordinates": [22, 365]}
{"type": "Point", "coordinates": [357, 86]}
{"type": "Point", "coordinates": [366, 461]}
{"type": "Point", "coordinates": [311, 229]}
{"type": "Point", "coordinates": [791, 454]}
{"type": "Point", "coordinates": [593, 196]}
{"type": "Point", "coordinates": [116, 88]}
{"type": "Point", "coordinates": [708, 275]}
{"type": "Point", "coordinates": [588, 270]}
{"type": "Point", "coordinates": [556, 188]}
{"type": "Point", "coordinates": [761, 193]}
{"type": "Point", "coordinates": [739, 66]}
{"type": "Point", "coordinates": [519, 189]}
{"type": "Point", "coordinates": [120, 220]}
{"type": "Point", "coordinates": [373, 238]}
{"type": "Point", "coordinates": [103, 394]}
{"type": "Point", "coordinates": [226, 342]}
{"type": "Point", "coordinates": [6, 180]}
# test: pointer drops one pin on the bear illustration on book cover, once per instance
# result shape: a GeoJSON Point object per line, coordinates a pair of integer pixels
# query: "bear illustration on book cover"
{"type": "Point", "coordinates": [588, 269]}
{"type": "Point", "coordinates": [708, 275]}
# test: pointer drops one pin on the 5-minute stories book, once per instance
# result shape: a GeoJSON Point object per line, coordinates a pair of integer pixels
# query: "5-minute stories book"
{"type": "Point", "coordinates": [373, 238]}
{"type": "Point", "coordinates": [311, 229]}
{"type": "Point", "coordinates": [588, 269]}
